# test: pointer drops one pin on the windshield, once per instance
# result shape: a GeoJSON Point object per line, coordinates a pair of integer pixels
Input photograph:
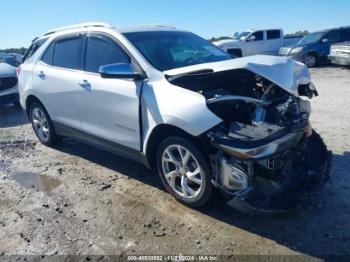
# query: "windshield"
{"type": "Point", "coordinates": [239, 36]}
{"type": "Point", "coordinates": [311, 38]}
{"type": "Point", "coordinates": [167, 50]}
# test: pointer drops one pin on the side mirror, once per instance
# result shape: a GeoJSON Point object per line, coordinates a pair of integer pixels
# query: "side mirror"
{"type": "Point", "coordinates": [120, 70]}
{"type": "Point", "coordinates": [251, 38]}
{"type": "Point", "coordinates": [325, 40]}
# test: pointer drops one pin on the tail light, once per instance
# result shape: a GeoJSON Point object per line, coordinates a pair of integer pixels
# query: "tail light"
{"type": "Point", "coordinates": [18, 70]}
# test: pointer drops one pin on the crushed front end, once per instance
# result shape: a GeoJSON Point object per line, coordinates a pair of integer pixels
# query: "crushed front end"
{"type": "Point", "coordinates": [268, 157]}
{"type": "Point", "coordinates": [265, 155]}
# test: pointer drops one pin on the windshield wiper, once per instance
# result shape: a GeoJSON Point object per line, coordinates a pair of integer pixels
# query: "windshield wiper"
{"type": "Point", "coordinates": [191, 73]}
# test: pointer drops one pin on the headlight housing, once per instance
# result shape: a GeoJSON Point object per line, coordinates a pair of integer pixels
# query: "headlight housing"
{"type": "Point", "coordinates": [296, 50]}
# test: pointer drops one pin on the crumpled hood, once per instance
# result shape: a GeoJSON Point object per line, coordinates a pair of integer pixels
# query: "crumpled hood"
{"type": "Point", "coordinates": [283, 71]}
{"type": "Point", "coordinates": [7, 70]}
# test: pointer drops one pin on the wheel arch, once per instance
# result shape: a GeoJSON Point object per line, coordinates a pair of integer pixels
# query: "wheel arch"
{"type": "Point", "coordinates": [29, 101]}
{"type": "Point", "coordinates": [313, 52]}
{"type": "Point", "coordinates": [162, 131]}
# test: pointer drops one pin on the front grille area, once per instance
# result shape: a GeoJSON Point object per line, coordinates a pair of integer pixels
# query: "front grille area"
{"type": "Point", "coordinates": [7, 83]}
{"type": "Point", "coordinates": [284, 51]}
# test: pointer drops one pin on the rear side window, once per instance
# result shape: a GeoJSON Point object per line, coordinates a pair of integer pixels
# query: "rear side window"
{"type": "Point", "coordinates": [259, 36]}
{"type": "Point", "coordinates": [67, 53]}
{"type": "Point", "coordinates": [273, 34]}
{"type": "Point", "coordinates": [345, 35]}
{"type": "Point", "coordinates": [101, 50]}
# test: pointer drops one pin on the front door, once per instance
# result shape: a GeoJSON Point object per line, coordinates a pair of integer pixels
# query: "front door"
{"type": "Point", "coordinates": [109, 107]}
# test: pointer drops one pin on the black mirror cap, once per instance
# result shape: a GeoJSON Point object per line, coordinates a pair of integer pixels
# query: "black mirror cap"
{"type": "Point", "coordinates": [120, 70]}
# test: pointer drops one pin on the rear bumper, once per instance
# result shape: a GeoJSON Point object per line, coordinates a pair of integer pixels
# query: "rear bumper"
{"type": "Point", "coordinates": [340, 60]}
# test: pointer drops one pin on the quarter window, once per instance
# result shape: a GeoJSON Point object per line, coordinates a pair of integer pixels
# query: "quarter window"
{"type": "Point", "coordinates": [47, 57]}
{"type": "Point", "coordinates": [101, 50]}
{"type": "Point", "coordinates": [33, 48]}
{"type": "Point", "coordinates": [273, 34]}
{"type": "Point", "coordinates": [67, 53]}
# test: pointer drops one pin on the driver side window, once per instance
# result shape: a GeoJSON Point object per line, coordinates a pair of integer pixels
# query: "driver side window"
{"type": "Point", "coordinates": [259, 36]}
{"type": "Point", "coordinates": [101, 50]}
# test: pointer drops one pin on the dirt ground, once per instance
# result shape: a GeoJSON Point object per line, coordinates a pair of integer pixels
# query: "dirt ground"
{"type": "Point", "coordinates": [76, 199]}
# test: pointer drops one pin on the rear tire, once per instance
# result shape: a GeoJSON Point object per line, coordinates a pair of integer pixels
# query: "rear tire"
{"type": "Point", "coordinates": [42, 125]}
{"type": "Point", "coordinates": [184, 171]}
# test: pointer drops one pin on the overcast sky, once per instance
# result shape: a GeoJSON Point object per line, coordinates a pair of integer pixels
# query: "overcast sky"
{"type": "Point", "coordinates": [21, 21]}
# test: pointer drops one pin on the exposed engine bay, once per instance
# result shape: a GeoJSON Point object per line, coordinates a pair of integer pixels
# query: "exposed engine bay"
{"type": "Point", "coordinates": [266, 156]}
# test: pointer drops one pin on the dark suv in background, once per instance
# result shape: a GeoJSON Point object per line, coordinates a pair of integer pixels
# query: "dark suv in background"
{"type": "Point", "coordinates": [314, 48]}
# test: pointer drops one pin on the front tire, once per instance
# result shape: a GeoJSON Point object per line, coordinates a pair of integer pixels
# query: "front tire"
{"type": "Point", "coordinates": [42, 125]}
{"type": "Point", "coordinates": [311, 60]}
{"type": "Point", "coordinates": [184, 171]}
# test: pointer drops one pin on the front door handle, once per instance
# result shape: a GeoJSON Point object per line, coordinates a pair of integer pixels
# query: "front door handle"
{"type": "Point", "coordinates": [84, 83]}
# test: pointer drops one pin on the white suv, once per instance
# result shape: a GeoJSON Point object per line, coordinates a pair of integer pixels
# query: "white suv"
{"type": "Point", "coordinates": [177, 103]}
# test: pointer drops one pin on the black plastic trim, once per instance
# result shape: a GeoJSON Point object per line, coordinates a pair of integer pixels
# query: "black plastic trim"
{"type": "Point", "coordinates": [101, 143]}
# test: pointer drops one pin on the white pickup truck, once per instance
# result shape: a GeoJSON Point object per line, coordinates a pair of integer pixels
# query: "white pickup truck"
{"type": "Point", "coordinates": [253, 42]}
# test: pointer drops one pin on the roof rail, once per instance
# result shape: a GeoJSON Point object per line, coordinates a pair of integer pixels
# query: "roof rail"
{"type": "Point", "coordinates": [159, 25]}
{"type": "Point", "coordinates": [82, 25]}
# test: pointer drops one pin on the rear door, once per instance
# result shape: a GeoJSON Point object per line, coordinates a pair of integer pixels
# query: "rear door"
{"type": "Point", "coordinates": [109, 107]}
{"type": "Point", "coordinates": [55, 80]}
{"type": "Point", "coordinates": [274, 41]}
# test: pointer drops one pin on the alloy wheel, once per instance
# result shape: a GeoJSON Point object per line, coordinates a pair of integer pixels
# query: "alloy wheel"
{"type": "Point", "coordinates": [310, 61]}
{"type": "Point", "coordinates": [182, 171]}
{"type": "Point", "coordinates": [41, 124]}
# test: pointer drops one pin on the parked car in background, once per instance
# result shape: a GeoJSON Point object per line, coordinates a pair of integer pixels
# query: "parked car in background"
{"type": "Point", "coordinates": [8, 84]}
{"type": "Point", "coordinates": [18, 57]}
{"type": "Point", "coordinates": [314, 48]}
{"type": "Point", "coordinates": [11, 59]}
{"type": "Point", "coordinates": [253, 42]}
{"type": "Point", "coordinates": [340, 54]}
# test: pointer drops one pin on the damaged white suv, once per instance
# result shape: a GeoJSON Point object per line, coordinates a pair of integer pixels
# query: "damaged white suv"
{"type": "Point", "coordinates": [177, 103]}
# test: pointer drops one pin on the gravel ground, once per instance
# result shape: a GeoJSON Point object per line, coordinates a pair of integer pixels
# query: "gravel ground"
{"type": "Point", "coordinates": [76, 199]}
